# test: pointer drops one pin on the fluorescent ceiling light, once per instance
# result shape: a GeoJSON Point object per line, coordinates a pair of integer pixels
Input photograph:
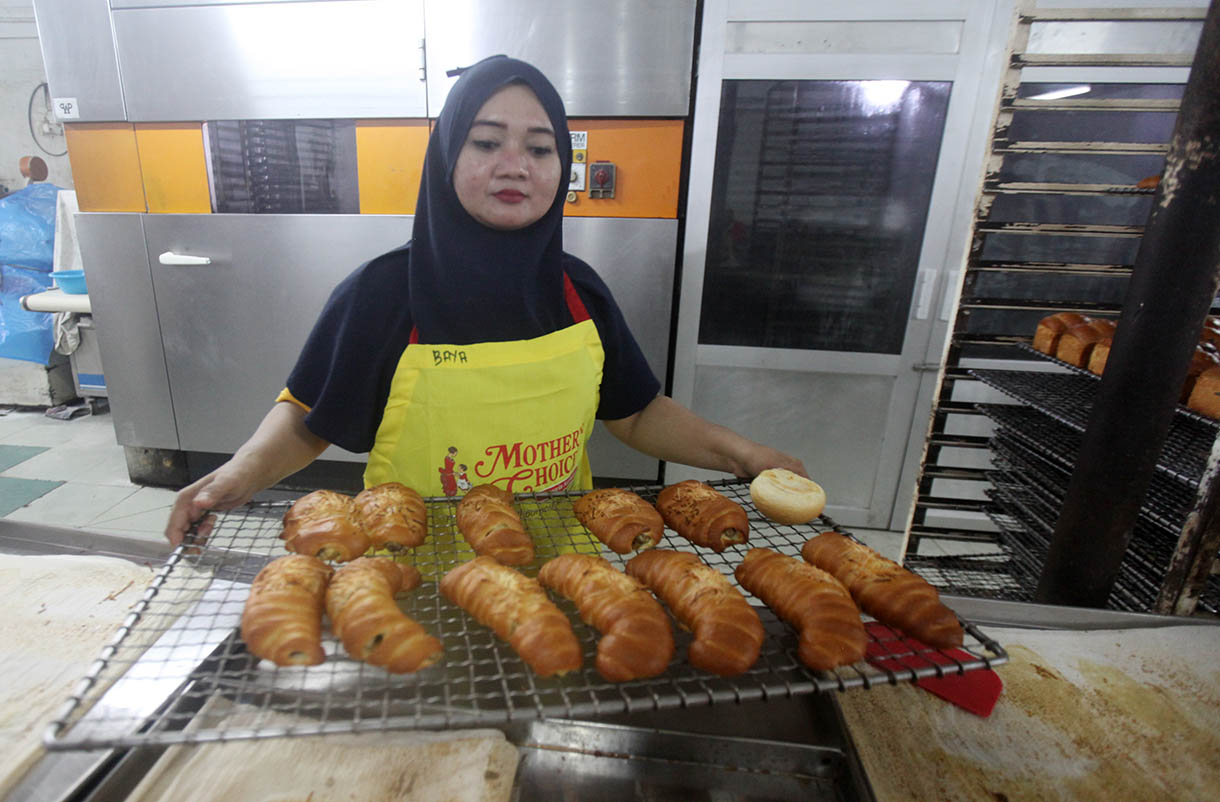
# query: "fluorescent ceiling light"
{"type": "Point", "coordinates": [1071, 91]}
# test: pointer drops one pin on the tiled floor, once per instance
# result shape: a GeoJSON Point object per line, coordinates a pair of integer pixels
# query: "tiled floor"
{"type": "Point", "coordinates": [73, 474]}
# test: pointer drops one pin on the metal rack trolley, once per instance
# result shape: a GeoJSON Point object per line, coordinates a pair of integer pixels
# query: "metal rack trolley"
{"type": "Point", "coordinates": [181, 647]}
{"type": "Point", "coordinates": [1059, 220]}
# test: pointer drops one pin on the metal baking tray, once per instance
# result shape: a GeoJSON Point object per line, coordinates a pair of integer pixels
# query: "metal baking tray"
{"type": "Point", "coordinates": [180, 646]}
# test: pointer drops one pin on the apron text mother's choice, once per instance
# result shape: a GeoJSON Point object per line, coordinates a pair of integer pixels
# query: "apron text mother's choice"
{"type": "Point", "coordinates": [533, 467]}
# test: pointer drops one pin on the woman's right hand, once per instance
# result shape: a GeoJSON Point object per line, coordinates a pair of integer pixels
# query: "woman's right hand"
{"type": "Point", "coordinates": [281, 446]}
{"type": "Point", "coordinates": [222, 489]}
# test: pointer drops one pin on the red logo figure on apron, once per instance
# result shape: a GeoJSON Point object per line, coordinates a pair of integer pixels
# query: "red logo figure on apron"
{"type": "Point", "coordinates": [448, 482]}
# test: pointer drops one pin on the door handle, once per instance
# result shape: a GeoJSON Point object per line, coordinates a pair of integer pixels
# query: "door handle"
{"type": "Point", "coordinates": [171, 258]}
{"type": "Point", "coordinates": [923, 299]}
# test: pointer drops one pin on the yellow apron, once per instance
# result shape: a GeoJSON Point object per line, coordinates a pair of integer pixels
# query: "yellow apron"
{"type": "Point", "coordinates": [514, 414]}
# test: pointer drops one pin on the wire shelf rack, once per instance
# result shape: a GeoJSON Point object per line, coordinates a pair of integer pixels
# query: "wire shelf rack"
{"type": "Point", "coordinates": [1001, 573]}
{"type": "Point", "coordinates": [1182, 411]}
{"type": "Point", "coordinates": [181, 647]}
{"type": "Point", "coordinates": [1031, 532]}
{"type": "Point", "coordinates": [1049, 448]}
{"type": "Point", "coordinates": [1068, 398]}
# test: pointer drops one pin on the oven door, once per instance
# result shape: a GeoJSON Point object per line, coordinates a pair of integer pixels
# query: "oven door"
{"type": "Point", "coordinates": [836, 157]}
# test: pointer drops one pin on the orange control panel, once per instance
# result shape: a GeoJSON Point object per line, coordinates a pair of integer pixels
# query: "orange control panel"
{"type": "Point", "coordinates": [621, 167]}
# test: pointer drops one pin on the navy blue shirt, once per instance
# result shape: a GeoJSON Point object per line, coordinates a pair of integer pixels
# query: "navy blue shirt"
{"type": "Point", "coordinates": [346, 367]}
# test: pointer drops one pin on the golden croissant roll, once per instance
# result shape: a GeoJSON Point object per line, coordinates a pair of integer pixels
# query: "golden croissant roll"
{"type": "Point", "coordinates": [636, 640]}
{"type": "Point", "coordinates": [488, 520]}
{"type": "Point", "coordinates": [885, 590]}
{"type": "Point", "coordinates": [812, 601]}
{"type": "Point", "coordinates": [323, 524]}
{"type": "Point", "coordinates": [282, 620]}
{"type": "Point", "coordinates": [728, 633]}
{"type": "Point", "coordinates": [620, 519]}
{"type": "Point", "coordinates": [518, 610]}
{"type": "Point", "coordinates": [368, 622]}
{"type": "Point", "coordinates": [703, 515]}
{"type": "Point", "coordinates": [393, 516]}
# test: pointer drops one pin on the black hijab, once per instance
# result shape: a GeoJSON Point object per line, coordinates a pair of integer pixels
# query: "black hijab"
{"type": "Point", "coordinates": [470, 283]}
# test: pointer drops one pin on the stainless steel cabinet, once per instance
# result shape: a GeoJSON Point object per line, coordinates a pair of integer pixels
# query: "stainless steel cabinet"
{"type": "Point", "coordinates": [128, 329]}
{"type": "Point", "coordinates": [140, 60]}
{"type": "Point", "coordinates": [81, 63]}
{"type": "Point", "coordinates": [357, 58]}
{"type": "Point", "coordinates": [606, 57]}
{"type": "Point", "coordinates": [232, 328]}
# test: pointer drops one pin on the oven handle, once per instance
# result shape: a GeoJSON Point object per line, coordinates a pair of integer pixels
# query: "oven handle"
{"type": "Point", "coordinates": [171, 258]}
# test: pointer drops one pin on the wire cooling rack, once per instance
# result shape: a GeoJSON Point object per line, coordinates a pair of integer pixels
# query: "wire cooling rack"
{"type": "Point", "coordinates": [181, 647]}
{"type": "Point", "coordinates": [1068, 398]}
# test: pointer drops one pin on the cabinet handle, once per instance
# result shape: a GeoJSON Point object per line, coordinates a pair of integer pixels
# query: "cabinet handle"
{"type": "Point", "coordinates": [171, 258]}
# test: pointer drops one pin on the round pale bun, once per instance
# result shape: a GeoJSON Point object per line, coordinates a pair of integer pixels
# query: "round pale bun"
{"type": "Point", "coordinates": [786, 497]}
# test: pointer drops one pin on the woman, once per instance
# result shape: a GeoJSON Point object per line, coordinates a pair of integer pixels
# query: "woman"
{"type": "Point", "coordinates": [480, 341]}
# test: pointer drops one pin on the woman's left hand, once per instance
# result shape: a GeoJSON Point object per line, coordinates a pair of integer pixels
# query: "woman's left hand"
{"type": "Point", "coordinates": [758, 458]}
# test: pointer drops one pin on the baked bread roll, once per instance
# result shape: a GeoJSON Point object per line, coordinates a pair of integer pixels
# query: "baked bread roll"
{"type": "Point", "coordinates": [323, 524]}
{"type": "Point", "coordinates": [518, 610]}
{"type": "Point", "coordinates": [703, 515]}
{"type": "Point", "coordinates": [786, 497]}
{"type": "Point", "coordinates": [393, 516]}
{"type": "Point", "coordinates": [488, 520]}
{"type": "Point", "coordinates": [1051, 328]}
{"type": "Point", "coordinates": [885, 590]}
{"type": "Point", "coordinates": [368, 622]}
{"type": "Point", "coordinates": [812, 601]}
{"type": "Point", "coordinates": [636, 640]}
{"type": "Point", "coordinates": [1099, 355]}
{"type": "Point", "coordinates": [620, 519]}
{"type": "Point", "coordinates": [1205, 393]}
{"type": "Point", "coordinates": [1076, 344]}
{"type": "Point", "coordinates": [728, 633]}
{"type": "Point", "coordinates": [1204, 358]}
{"type": "Point", "coordinates": [282, 619]}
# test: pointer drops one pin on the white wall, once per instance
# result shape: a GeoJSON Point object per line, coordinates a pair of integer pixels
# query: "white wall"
{"type": "Point", "coordinates": [21, 70]}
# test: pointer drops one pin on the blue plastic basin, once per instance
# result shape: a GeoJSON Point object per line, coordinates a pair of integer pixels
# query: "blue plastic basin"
{"type": "Point", "coordinates": [70, 281]}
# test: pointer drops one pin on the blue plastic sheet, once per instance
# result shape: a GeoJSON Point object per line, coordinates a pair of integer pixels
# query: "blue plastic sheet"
{"type": "Point", "coordinates": [27, 255]}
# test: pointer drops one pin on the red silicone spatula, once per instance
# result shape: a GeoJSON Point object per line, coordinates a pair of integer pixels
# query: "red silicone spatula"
{"type": "Point", "coordinates": [976, 691]}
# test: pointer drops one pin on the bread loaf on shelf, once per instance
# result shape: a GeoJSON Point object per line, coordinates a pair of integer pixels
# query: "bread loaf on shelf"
{"type": "Point", "coordinates": [1086, 342]}
{"type": "Point", "coordinates": [368, 622]}
{"type": "Point", "coordinates": [1099, 355]}
{"type": "Point", "coordinates": [636, 641]}
{"type": "Point", "coordinates": [1051, 327]}
{"type": "Point", "coordinates": [728, 633]}
{"type": "Point", "coordinates": [323, 524]}
{"type": "Point", "coordinates": [518, 610]}
{"type": "Point", "coordinates": [491, 525]}
{"type": "Point", "coordinates": [703, 515]}
{"type": "Point", "coordinates": [812, 601]}
{"type": "Point", "coordinates": [282, 619]}
{"type": "Point", "coordinates": [620, 519]}
{"type": "Point", "coordinates": [1203, 359]}
{"type": "Point", "coordinates": [393, 516]}
{"type": "Point", "coordinates": [885, 590]}
{"type": "Point", "coordinates": [1076, 344]}
{"type": "Point", "coordinates": [1205, 393]}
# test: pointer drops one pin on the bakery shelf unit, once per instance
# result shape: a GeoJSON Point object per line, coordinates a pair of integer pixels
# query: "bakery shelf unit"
{"type": "Point", "coordinates": [1078, 144]}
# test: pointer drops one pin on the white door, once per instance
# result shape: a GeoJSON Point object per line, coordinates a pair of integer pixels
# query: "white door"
{"type": "Point", "coordinates": [834, 153]}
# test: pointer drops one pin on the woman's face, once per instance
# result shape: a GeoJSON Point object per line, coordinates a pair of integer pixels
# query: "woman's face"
{"type": "Point", "coordinates": [508, 170]}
